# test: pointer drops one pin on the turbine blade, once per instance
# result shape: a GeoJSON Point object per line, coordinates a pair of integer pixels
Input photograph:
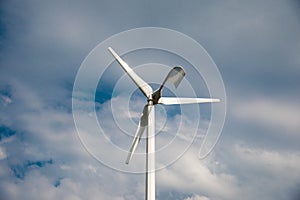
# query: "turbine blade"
{"type": "Point", "coordinates": [143, 86]}
{"type": "Point", "coordinates": [180, 100]}
{"type": "Point", "coordinates": [175, 76]}
{"type": "Point", "coordinates": [141, 127]}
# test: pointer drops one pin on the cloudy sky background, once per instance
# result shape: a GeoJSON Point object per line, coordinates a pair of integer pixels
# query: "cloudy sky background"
{"type": "Point", "coordinates": [255, 45]}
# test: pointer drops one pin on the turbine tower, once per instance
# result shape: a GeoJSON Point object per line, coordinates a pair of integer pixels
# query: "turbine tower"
{"type": "Point", "coordinates": [148, 117]}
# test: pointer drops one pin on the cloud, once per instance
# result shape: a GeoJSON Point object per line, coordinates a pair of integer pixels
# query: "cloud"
{"type": "Point", "coordinates": [5, 100]}
{"type": "Point", "coordinates": [2, 153]}
{"type": "Point", "coordinates": [256, 167]}
{"type": "Point", "coordinates": [273, 163]}
{"type": "Point", "coordinates": [36, 154]}
{"type": "Point", "coordinates": [274, 114]}
{"type": "Point", "coordinates": [45, 157]}
{"type": "Point", "coordinates": [190, 174]}
{"type": "Point", "coordinates": [197, 197]}
{"type": "Point", "coordinates": [255, 45]}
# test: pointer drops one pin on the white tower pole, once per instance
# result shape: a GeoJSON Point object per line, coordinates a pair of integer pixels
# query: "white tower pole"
{"type": "Point", "coordinates": [150, 153]}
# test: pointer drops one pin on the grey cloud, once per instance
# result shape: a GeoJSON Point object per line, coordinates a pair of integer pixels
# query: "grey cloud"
{"type": "Point", "coordinates": [255, 45]}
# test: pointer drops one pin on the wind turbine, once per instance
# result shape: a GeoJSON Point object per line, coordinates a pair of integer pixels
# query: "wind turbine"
{"type": "Point", "coordinates": [148, 117]}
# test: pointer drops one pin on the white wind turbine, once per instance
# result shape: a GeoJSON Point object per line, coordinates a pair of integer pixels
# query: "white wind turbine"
{"type": "Point", "coordinates": [148, 117]}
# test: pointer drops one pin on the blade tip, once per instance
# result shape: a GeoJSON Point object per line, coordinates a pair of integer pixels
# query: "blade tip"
{"type": "Point", "coordinates": [110, 49]}
{"type": "Point", "coordinates": [127, 161]}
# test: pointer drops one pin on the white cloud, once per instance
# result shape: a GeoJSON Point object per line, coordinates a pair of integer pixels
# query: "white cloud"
{"type": "Point", "coordinates": [197, 197]}
{"type": "Point", "coordinates": [45, 40]}
{"type": "Point", "coordinates": [275, 114]}
{"type": "Point", "coordinates": [49, 133]}
{"type": "Point", "coordinates": [261, 172]}
{"type": "Point", "coordinates": [189, 174]}
{"type": "Point", "coordinates": [2, 153]}
{"type": "Point", "coordinates": [275, 164]}
{"type": "Point", "coordinates": [5, 100]}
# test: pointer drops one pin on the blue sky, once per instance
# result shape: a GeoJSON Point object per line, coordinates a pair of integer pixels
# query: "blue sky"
{"type": "Point", "coordinates": [255, 45]}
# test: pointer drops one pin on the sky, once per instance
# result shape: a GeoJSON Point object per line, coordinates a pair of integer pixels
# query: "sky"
{"type": "Point", "coordinates": [255, 45]}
